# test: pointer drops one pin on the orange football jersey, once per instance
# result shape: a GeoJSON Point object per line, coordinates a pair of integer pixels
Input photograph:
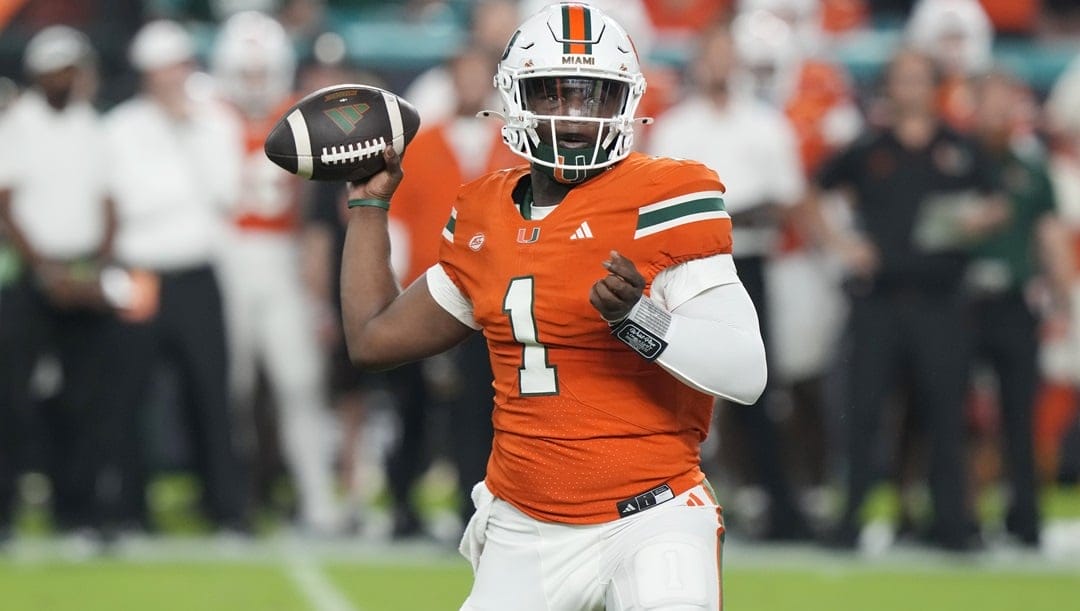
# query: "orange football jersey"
{"type": "Point", "coordinates": [581, 421]}
{"type": "Point", "coordinates": [269, 197]}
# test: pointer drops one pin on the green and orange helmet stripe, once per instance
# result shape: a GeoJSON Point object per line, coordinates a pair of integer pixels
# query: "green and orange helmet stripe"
{"type": "Point", "coordinates": [577, 29]}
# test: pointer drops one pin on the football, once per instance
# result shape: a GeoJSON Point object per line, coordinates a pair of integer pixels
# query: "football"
{"type": "Point", "coordinates": [339, 133]}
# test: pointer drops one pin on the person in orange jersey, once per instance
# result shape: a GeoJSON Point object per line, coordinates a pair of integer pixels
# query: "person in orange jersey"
{"type": "Point", "coordinates": [272, 321]}
{"type": "Point", "coordinates": [603, 282]}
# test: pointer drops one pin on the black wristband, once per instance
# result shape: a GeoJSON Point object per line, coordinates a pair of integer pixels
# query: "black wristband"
{"type": "Point", "coordinates": [643, 329]}
{"type": "Point", "coordinates": [646, 343]}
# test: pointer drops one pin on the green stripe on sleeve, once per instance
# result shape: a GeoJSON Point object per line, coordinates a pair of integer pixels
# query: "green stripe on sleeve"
{"type": "Point", "coordinates": [695, 206]}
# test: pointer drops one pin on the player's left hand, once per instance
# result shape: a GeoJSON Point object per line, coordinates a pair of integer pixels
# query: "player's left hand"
{"type": "Point", "coordinates": [615, 294]}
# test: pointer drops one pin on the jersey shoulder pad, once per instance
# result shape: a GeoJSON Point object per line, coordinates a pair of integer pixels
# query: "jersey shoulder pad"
{"type": "Point", "coordinates": [669, 176]}
{"type": "Point", "coordinates": [492, 184]}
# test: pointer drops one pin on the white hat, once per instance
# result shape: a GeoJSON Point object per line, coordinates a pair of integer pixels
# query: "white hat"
{"type": "Point", "coordinates": [55, 48]}
{"type": "Point", "coordinates": [160, 44]}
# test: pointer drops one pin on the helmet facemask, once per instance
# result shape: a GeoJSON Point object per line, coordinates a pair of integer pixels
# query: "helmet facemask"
{"type": "Point", "coordinates": [573, 124]}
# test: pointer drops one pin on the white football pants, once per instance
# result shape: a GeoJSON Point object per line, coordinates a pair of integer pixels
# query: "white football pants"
{"type": "Point", "coordinates": [664, 558]}
{"type": "Point", "coordinates": [271, 323]}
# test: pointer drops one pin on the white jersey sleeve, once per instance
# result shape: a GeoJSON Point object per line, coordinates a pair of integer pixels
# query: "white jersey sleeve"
{"type": "Point", "coordinates": [449, 296]}
{"type": "Point", "coordinates": [675, 285]}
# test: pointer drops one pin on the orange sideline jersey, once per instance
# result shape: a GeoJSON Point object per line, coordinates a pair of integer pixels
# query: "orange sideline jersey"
{"type": "Point", "coordinates": [581, 421]}
{"type": "Point", "coordinates": [269, 196]}
{"type": "Point", "coordinates": [820, 89]}
{"type": "Point", "coordinates": [432, 179]}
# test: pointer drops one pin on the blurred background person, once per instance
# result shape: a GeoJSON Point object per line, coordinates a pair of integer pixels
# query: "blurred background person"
{"type": "Point", "coordinates": [57, 215]}
{"type": "Point", "coordinates": [1000, 278]}
{"type": "Point", "coordinates": [491, 22]}
{"type": "Point", "coordinates": [906, 261]}
{"type": "Point", "coordinates": [752, 147]}
{"type": "Point", "coordinates": [356, 395]}
{"type": "Point", "coordinates": [1058, 416]}
{"type": "Point", "coordinates": [270, 308]}
{"type": "Point", "coordinates": [445, 154]}
{"type": "Point", "coordinates": [174, 165]}
{"type": "Point", "coordinates": [780, 45]}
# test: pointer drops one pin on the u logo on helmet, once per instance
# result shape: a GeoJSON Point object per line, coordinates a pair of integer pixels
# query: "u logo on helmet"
{"type": "Point", "coordinates": [569, 174]}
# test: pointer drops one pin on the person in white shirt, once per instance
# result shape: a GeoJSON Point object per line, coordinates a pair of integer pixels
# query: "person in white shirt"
{"type": "Point", "coordinates": [59, 221]}
{"type": "Point", "coordinates": [174, 167]}
{"type": "Point", "coordinates": [752, 145]}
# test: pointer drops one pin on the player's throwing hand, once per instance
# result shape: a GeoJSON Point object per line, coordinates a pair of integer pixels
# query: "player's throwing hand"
{"type": "Point", "coordinates": [383, 184]}
{"type": "Point", "coordinates": [615, 294]}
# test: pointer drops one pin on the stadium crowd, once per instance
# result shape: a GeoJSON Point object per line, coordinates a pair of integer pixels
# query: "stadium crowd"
{"type": "Point", "coordinates": [169, 299]}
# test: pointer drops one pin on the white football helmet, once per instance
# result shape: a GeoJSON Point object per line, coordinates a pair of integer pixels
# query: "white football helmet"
{"type": "Point", "coordinates": [570, 83]}
{"type": "Point", "coordinates": [768, 54]}
{"type": "Point", "coordinates": [254, 62]}
{"type": "Point", "coordinates": [956, 33]}
{"type": "Point", "coordinates": [802, 16]}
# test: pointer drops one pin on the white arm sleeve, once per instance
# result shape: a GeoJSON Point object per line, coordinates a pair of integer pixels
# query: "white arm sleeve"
{"type": "Point", "coordinates": [449, 296]}
{"type": "Point", "coordinates": [674, 285]}
{"type": "Point", "coordinates": [715, 346]}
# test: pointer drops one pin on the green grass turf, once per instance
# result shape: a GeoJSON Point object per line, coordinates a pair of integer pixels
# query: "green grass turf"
{"type": "Point", "coordinates": [879, 591]}
{"type": "Point", "coordinates": [262, 581]}
{"type": "Point", "coordinates": [442, 586]}
{"type": "Point", "coordinates": [123, 586]}
{"type": "Point", "coordinates": [374, 588]}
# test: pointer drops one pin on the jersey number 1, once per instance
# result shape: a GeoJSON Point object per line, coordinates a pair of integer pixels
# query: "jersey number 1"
{"type": "Point", "coordinates": [535, 376]}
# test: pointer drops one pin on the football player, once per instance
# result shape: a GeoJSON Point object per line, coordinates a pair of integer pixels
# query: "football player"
{"type": "Point", "coordinates": [603, 282]}
{"type": "Point", "coordinates": [270, 311]}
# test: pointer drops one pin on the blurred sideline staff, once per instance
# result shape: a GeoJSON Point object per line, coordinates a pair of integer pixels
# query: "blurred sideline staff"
{"type": "Point", "coordinates": [999, 281]}
{"type": "Point", "coordinates": [56, 214]}
{"type": "Point", "coordinates": [174, 164]}
{"type": "Point", "coordinates": [921, 194]}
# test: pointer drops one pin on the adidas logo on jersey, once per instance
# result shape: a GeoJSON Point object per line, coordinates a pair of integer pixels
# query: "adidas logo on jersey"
{"type": "Point", "coordinates": [583, 232]}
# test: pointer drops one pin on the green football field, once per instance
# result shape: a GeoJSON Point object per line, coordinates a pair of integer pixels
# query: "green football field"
{"type": "Point", "coordinates": [206, 575]}
{"type": "Point", "coordinates": [188, 570]}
